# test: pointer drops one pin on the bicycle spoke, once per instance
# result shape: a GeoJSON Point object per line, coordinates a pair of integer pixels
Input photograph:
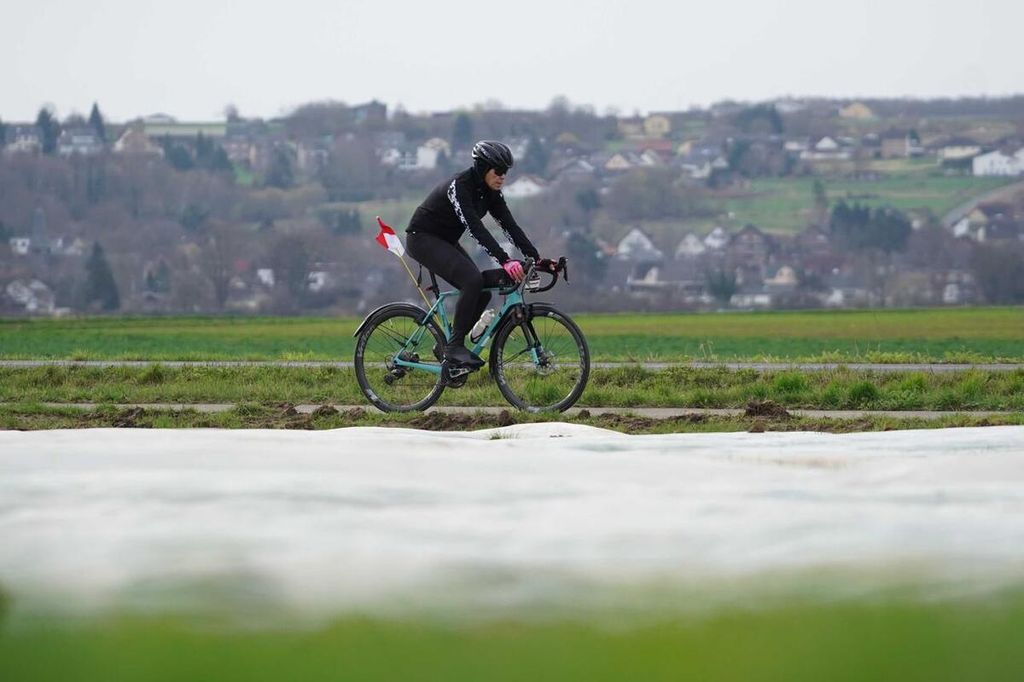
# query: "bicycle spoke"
{"type": "Point", "coordinates": [388, 385]}
{"type": "Point", "coordinates": [552, 373]}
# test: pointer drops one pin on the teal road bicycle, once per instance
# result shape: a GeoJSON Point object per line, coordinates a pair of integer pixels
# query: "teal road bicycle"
{"type": "Point", "coordinates": [538, 356]}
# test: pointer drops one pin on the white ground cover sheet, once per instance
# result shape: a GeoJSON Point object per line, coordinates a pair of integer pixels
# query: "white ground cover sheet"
{"type": "Point", "coordinates": [556, 515]}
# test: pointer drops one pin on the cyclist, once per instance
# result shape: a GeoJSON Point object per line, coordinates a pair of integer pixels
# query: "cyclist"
{"type": "Point", "coordinates": [457, 205]}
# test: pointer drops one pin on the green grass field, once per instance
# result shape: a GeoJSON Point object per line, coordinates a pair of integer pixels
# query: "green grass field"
{"type": "Point", "coordinates": [838, 641]}
{"type": "Point", "coordinates": [938, 335]}
{"type": "Point", "coordinates": [629, 386]}
{"type": "Point", "coordinates": [784, 204]}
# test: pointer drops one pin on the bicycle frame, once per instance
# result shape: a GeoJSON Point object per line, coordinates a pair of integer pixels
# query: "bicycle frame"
{"type": "Point", "coordinates": [513, 299]}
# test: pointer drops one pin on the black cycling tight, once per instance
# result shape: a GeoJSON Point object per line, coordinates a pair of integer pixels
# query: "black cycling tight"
{"type": "Point", "coordinates": [452, 263]}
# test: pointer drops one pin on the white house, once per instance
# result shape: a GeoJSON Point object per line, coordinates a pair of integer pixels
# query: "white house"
{"type": "Point", "coordinates": [575, 169]}
{"type": "Point", "coordinates": [35, 296]}
{"type": "Point", "coordinates": [649, 157]}
{"type": "Point", "coordinates": [752, 299]}
{"type": "Point", "coordinates": [784, 280]}
{"type": "Point", "coordinates": [618, 162]}
{"type": "Point", "coordinates": [23, 139]}
{"type": "Point", "coordinates": [826, 144]}
{"type": "Point", "coordinates": [825, 149]}
{"type": "Point", "coordinates": [134, 141]}
{"type": "Point", "coordinates": [957, 152]}
{"type": "Point", "coordinates": [427, 157]}
{"type": "Point", "coordinates": [265, 276]}
{"type": "Point", "coordinates": [638, 246]}
{"type": "Point", "coordinates": [524, 187]}
{"type": "Point", "coordinates": [78, 141]}
{"type": "Point", "coordinates": [698, 169]}
{"type": "Point", "coordinates": [439, 144]}
{"type": "Point", "coordinates": [318, 280]}
{"type": "Point", "coordinates": [998, 163]}
{"type": "Point", "coordinates": [716, 239]}
{"type": "Point", "coordinates": [390, 156]}
{"type": "Point", "coordinates": [689, 247]}
{"type": "Point", "coordinates": [20, 245]}
{"type": "Point", "coordinates": [795, 146]}
{"type": "Point", "coordinates": [424, 157]}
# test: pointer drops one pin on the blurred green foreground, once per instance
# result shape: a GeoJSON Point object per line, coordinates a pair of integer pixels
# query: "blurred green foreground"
{"type": "Point", "coordinates": [948, 640]}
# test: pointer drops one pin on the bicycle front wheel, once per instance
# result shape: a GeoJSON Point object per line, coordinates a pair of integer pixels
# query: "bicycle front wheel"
{"type": "Point", "coordinates": [397, 333]}
{"type": "Point", "coordinates": [541, 363]}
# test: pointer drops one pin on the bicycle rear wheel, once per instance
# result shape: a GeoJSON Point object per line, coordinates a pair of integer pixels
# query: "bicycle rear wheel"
{"type": "Point", "coordinates": [396, 332]}
{"type": "Point", "coordinates": [542, 363]}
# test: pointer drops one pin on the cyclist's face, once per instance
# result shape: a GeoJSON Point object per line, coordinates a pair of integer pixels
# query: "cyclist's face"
{"type": "Point", "coordinates": [493, 180]}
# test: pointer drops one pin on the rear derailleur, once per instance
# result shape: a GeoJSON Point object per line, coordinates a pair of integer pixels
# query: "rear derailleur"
{"type": "Point", "coordinates": [396, 372]}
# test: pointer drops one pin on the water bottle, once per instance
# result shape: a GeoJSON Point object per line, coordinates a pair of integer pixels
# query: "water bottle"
{"type": "Point", "coordinates": [482, 324]}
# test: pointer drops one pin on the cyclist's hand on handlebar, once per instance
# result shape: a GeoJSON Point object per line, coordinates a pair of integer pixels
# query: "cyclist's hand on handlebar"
{"type": "Point", "coordinates": [547, 265]}
{"type": "Point", "coordinates": [514, 269]}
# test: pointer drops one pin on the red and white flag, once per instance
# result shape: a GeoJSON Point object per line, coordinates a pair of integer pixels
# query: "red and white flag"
{"type": "Point", "coordinates": [389, 240]}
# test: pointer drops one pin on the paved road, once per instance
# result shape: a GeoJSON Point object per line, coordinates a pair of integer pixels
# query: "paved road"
{"type": "Point", "coordinates": [653, 366]}
{"type": "Point", "coordinates": [650, 412]}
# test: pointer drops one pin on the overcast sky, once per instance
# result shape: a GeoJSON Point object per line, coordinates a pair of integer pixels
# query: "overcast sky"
{"type": "Point", "coordinates": [191, 58]}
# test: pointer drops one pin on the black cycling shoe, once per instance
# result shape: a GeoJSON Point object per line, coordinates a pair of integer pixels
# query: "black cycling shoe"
{"type": "Point", "coordinates": [460, 355]}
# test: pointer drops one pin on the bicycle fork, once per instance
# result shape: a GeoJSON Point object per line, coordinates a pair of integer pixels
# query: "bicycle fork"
{"type": "Point", "coordinates": [530, 335]}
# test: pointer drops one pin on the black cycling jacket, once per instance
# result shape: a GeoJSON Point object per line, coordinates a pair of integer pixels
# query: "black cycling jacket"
{"type": "Point", "coordinates": [458, 204]}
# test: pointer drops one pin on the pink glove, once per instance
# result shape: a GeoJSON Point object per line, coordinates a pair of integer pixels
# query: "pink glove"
{"type": "Point", "coordinates": [514, 269]}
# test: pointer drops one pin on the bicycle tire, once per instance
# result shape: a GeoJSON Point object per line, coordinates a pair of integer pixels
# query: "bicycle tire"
{"type": "Point", "coordinates": [559, 381]}
{"type": "Point", "coordinates": [388, 387]}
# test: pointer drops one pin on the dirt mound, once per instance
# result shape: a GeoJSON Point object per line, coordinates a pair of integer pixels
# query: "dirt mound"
{"type": "Point", "coordinates": [766, 408]}
{"type": "Point", "coordinates": [439, 421]}
{"type": "Point", "coordinates": [631, 423]}
{"type": "Point", "coordinates": [129, 419]}
{"type": "Point", "coordinates": [324, 411]}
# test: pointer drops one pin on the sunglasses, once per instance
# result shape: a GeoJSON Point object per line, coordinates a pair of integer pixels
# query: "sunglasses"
{"type": "Point", "coordinates": [500, 170]}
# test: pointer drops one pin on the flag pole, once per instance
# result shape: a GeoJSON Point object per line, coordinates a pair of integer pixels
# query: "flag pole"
{"type": "Point", "coordinates": [395, 247]}
{"type": "Point", "coordinates": [415, 283]}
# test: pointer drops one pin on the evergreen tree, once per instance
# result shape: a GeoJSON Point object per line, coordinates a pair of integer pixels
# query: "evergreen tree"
{"type": "Point", "coordinates": [584, 252]}
{"type": "Point", "coordinates": [3, 134]}
{"type": "Point", "coordinates": [204, 148]}
{"type": "Point", "coordinates": [49, 130]}
{"type": "Point", "coordinates": [535, 159]}
{"type": "Point", "coordinates": [462, 131]}
{"type": "Point", "coordinates": [999, 272]}
{"type": "Point", "coordinates": [588, 200]}
{"type": "Point", "coordinates": [280, 173]}
{"type": "Point", "coordinates": [100, 287]}
{"type": "Point", "coordinates": [193, 217]}
{"type": "Point", "coordinates": [95, 179]}
{"type": "Point", "coordinates": [889, 229]}
{"type": "Point", "coordinates": [162, 278]}
{"type": "Point", "coordinates": [96, 121]}
{"type": "Point", "coordinates": [859, 227]}
{"type": "Point", "coordinates": [721, 284]}
{"type": "Point", "coordinates": [761, 119]}
{"type": "Point", "coordinates": [210, 155]}
{"type": "Point", "coordinates": [820, 201]}
{"type": "Point", "coordinates": [219, 161]}
{"type": "Point", "coordinates": [177, 155]}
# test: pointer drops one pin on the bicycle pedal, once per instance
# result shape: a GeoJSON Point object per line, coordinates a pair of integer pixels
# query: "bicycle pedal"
{"type": "Point", "coordinates": [455, 375]}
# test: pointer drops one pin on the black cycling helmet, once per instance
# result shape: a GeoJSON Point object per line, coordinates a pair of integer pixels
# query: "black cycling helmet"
{"type": "Point", "coordinates": [491, 154]}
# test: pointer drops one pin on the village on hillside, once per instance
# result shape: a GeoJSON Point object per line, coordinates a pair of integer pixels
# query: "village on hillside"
{"type": "Point", "coordinates": [785, 204]}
